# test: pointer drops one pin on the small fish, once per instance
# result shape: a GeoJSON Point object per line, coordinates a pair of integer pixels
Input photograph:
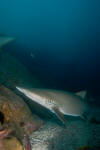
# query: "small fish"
{"type": "Point", "coordinates": [59, 102]}
{"type": "Point", "coordinates": [32, 55]}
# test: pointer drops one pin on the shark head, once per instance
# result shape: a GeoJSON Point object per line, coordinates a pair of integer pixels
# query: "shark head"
{"type": "Point", "coordinates": [33, 96]}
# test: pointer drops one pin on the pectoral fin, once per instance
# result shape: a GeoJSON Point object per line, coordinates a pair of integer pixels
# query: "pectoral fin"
{"type": "Point", "coordinates": [59, 114]}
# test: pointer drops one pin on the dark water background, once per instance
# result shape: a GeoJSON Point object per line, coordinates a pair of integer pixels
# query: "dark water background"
{"type": "Point", "coordinates": [62, 35]}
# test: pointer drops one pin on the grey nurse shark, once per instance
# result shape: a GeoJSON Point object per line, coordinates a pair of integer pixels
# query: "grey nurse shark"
{"type": "Point", "coordinates": [5, 40]}
{"type": "Point", "coordinates": [59, 102]}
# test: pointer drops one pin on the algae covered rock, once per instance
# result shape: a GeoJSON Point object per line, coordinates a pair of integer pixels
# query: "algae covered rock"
{"type": "Point", "coordinates": [17, 115]}
{"type": "Point", "coordinates": [8, 142]}
{"type": "Point", "coordinates": [13, 73]}
{"type": "Point", "coordinates": [12, 144]}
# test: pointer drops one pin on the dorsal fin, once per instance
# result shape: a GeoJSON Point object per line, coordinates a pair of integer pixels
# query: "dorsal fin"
{"type": "Point", "coordinates": [82, 94]}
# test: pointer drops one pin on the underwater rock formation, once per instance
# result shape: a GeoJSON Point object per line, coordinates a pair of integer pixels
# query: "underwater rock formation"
{"type": "Point", "coordinates": [11, 143]}
{"type": "Point", "coordinates": [13, 73]}
{"type": "Point", "coordinates": [13, 110]}
{"type": "Point", "coordinates": [74, 136]}
{"type": "Point", "coordinates": [17, 115]}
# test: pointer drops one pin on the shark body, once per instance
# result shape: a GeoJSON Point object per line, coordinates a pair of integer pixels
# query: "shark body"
{"type": "Point", "coordinates": [5, 40]}
{"type": "Point", "coordinates": [59, 102]}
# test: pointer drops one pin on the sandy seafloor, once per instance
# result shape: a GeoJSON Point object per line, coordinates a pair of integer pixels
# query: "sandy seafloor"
{"type": "Point", "coordinates": [52, 135]}
{"type": "Point", "coordinates": [76, 134]}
